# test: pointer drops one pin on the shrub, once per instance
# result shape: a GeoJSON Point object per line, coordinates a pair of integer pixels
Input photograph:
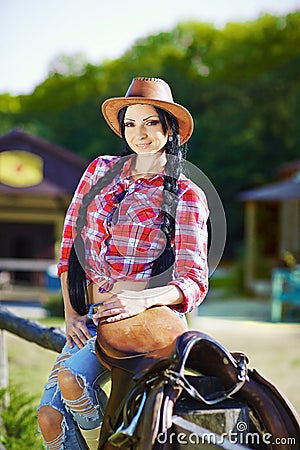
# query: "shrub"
{"type": "Point", "coordinates": [18, 426]}
{"type": "Point", "coordinates": [55, 305]}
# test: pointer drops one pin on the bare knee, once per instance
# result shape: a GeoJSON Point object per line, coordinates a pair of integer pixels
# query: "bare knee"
{"type": "Point", "coordinates": [49, 420]}
{"type": "Point", "coordinates": [70, 385]}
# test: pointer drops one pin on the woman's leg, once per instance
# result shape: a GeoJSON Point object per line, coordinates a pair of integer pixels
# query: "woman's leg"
{"type": "Point", "coordinates": [50, 423]}
{"type": "Point", "coordinates": [55, 423]}
{"type": "Point", "coordinates": [81, 378]}
{"type": "Point", "coordinates": [58, 432]}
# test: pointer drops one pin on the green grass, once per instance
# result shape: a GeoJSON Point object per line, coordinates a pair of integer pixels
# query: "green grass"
{"type": "Point", "coordinates": [230, 283]}
{"type": "Point", "coordinates": [30, 364]}
{"type": "Point", "coordinates": [29, 367]}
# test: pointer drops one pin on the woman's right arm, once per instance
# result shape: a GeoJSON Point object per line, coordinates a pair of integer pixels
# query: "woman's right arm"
{"type": "Point", "coordinates": [76, 329]}
{"type": "Point", "coordinates": [96, 169]}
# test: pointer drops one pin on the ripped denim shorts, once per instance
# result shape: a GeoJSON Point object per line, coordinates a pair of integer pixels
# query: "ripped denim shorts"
{"type": "Point", "coordinates": [84, 363]}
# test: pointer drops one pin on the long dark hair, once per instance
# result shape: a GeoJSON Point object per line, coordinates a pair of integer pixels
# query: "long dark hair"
{"type": "Point", "coordinates": [162, 266]}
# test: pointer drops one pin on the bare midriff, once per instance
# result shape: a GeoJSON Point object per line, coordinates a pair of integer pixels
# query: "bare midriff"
{"type": "Point", "coordinates": [95, 296]}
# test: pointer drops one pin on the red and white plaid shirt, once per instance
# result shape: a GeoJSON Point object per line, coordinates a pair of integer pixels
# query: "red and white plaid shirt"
{"type": "Point", "coordinates": [123, 237]}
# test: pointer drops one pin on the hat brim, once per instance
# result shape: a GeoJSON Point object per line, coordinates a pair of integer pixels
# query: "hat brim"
{"type": "Point", "coordinates": [111, 107]}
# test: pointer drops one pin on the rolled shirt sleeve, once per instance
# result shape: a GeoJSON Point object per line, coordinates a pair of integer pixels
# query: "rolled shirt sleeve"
{"type": "Point", "coordinates": [191, 268]}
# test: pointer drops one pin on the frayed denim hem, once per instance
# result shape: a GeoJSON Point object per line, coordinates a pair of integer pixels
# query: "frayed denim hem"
{"type": "Point", "coordinates": [88, 410]}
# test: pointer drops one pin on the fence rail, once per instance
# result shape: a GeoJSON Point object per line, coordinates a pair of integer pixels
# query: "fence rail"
{"type": "Point", "coordinates": [48, 337]}
{"type": "Point", "coordinates": [25, 264]}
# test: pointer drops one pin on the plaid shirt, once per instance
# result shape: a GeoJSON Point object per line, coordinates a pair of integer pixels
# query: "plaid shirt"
{"type": "Point", "coordinates": [123, 237]}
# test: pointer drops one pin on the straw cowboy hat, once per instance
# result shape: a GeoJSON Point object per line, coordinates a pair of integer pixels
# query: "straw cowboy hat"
{"type": "Point", "coordinates": [150, 91]}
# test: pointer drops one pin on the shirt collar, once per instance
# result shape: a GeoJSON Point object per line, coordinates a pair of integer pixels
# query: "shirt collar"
{"type": "Point", "coordinates": [125, 174]}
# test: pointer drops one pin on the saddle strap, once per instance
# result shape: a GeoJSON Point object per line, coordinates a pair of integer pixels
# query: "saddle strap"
{"type": "Point", "coordinates": [125, 435]}
{"type": "Point", "coordinates": [201, 353]}
{"type": "Point", "coordinates": [147, 411]}
{"type": "Point", "coordinates": [212, 398]}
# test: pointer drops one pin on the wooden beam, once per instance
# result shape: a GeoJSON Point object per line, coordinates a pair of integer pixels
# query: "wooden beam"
{"type": "Point", "coordinates": [49, 338]}
{"type": "Point", "coordinates": [251, 246]}
{"type": "Point", "coordinates": [25, 264]}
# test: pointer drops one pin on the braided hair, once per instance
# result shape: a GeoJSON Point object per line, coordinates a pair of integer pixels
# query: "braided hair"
{"type": "Point", "coordinates": [77, 283]}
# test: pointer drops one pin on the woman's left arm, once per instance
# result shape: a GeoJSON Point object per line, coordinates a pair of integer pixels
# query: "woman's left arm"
{"type": "Point", "coordinates": [191, 241]}
{"type": "Point", "coordinates": [128, 303]}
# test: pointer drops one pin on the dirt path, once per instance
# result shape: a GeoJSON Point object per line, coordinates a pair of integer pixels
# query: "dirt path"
{"type": "Point", "coordinates": [273, 349]}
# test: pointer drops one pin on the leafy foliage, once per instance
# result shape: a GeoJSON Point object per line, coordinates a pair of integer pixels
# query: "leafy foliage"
{"type": "Point", "coordinates": [19, 421]}
{"type": "Point", "coordinates": [55, 305]}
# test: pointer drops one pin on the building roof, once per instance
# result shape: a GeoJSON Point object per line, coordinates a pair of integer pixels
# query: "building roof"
{"type": "Point", "coordinates": [62, 168]}
{"type": "Point", "coordinates": [281, 190]}
{"type": "Point", "coordinates": [46, 187]}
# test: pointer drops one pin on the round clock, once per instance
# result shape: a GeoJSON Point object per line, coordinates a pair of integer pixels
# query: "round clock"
{"type": "Point", "coordinates": [19, 168]}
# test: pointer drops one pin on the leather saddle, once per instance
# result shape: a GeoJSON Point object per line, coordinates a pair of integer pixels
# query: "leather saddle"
{"type": "Point", "coordinates": [131, 348]}
{"type": "Point", "coordinates": [148, 356]}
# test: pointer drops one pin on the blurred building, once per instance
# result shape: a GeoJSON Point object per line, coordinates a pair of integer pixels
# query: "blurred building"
{"type": "Point", "coordinates": [37, 180]}
{"type": "Point", "coordinates": [272, 224]}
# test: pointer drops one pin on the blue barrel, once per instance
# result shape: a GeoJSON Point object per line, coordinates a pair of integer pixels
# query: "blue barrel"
{"type": "Point", "coordinates": [52, 281]}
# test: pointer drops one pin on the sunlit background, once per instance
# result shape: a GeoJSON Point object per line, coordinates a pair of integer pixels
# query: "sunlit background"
{"type": "Point", "coordinates": [34, 33]}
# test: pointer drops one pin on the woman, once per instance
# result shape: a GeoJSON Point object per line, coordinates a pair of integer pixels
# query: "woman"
{"type": "Point", "coordinates": [134, 236]}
